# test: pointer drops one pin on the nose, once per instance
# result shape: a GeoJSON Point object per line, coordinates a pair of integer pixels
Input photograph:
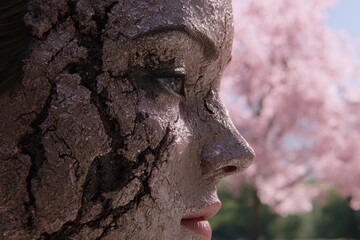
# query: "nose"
{"type": "Point", "coordinates": [226, 155]}
{"type": "Point", "coordinates": [228, 152]}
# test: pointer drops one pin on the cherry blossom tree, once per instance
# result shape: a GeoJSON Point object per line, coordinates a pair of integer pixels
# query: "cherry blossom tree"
{"type": "Point", "coordinates": [288, 94]}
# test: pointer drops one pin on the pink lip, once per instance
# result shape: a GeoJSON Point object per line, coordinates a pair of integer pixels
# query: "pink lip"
{"type": "Point", "coordinates": [197, 222]}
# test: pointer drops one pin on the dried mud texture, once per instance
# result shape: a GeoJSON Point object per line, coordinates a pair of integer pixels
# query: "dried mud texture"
{"type": "Point", "coordinates": [65, 159]}
{"type": "Point", "coordinates": [86, 149]}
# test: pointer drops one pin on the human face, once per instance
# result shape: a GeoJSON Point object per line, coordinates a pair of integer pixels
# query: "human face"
{"type": "Point", "coordinates": [171, 55]}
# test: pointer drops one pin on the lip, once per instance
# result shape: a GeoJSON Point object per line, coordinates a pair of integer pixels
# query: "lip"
{"type": "Point", "coordinates": [197, 222]}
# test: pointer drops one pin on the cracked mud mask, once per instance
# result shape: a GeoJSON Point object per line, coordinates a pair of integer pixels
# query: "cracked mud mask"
{"type": "Point", "coordinates": [124, 135]}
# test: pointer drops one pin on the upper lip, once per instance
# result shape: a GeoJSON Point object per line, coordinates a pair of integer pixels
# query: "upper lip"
{"type": "Point", "coordinates": [204, 213]}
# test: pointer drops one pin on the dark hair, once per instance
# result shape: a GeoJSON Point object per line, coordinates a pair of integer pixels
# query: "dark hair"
{"type": "Point", "coordinates": [14, 40]}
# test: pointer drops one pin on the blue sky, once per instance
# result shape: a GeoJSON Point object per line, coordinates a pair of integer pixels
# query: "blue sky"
{"type": "Point", "coordinates": [345, 16]}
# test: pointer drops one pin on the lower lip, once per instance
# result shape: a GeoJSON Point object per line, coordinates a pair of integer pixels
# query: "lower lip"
{"type": "Point", "coordinates": [199, 226]}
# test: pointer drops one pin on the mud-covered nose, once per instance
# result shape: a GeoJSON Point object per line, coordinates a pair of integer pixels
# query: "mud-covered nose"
{"type": "Point", "coordinates": [227, 152]}
{"type": "Point", "coordinates": [226, 155]}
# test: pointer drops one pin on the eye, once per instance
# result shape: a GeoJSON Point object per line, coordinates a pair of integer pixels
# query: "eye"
{"type": "Point", "coordinates": [172, 80]}
{"type": "Point", "coordinates": [174, 83]}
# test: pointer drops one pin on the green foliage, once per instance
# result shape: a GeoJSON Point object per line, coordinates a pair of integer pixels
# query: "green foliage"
{"type": "Point", "coordinates": [333, 219]}
{"type": "Point", "coordinates": [235, 217]}
{"type": "Point", "coordinates": [336, 219]}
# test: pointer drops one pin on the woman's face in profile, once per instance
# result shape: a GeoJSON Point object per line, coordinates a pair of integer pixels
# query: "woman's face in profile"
{"type": "Point", "coordinates": [172, 55]}
{"type": "Point", "coordinates": [132, 139]}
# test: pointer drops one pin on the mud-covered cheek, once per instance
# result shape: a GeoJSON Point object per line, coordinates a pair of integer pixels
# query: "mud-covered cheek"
{"type": "Point", "coordinates": [171, 176]}
{"type": "Point", "coordinates": [179, 164]}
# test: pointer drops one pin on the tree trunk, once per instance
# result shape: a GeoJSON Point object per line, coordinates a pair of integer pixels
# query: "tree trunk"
{"type": "Point", "coordinates": [255, 223]}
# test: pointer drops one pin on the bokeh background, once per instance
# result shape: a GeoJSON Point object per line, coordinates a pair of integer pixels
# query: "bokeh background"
{"type": "Point", "coordinates": [293, 91]}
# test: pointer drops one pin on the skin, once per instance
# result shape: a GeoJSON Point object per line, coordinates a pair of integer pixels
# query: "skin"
{"type": "Point", "coordinates": [107, 148]}
{"type": "Point", "coordinates": [193, 162]}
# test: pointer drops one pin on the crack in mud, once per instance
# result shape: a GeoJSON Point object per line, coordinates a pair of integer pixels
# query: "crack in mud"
{"type": "Point", "coordinates": [31, 145]}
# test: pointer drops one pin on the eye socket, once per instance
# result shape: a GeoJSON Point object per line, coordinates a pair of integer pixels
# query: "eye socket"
{"type": "Point", "coordinates": [172, 80]}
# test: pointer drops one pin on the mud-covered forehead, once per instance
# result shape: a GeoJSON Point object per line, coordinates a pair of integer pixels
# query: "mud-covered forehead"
{"type": "Point", "coordinates": [210, 18]}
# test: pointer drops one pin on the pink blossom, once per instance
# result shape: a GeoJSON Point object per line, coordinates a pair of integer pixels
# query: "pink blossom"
{"type": "Point", "coordinates": [287, 91]}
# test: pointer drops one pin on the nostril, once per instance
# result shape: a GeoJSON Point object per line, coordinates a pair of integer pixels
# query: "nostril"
{"type": "Point", "coordinates": [230, 169]}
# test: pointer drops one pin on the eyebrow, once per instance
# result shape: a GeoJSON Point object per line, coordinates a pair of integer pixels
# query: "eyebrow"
{"type": "Point", "coordinates": [208, 46]}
